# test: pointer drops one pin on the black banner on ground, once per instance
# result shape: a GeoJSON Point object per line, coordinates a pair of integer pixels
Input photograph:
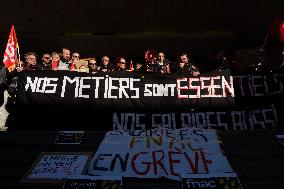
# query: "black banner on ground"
{"type": "Point", "coordinates": [121, 100]}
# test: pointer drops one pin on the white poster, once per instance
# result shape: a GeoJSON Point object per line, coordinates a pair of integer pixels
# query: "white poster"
{"type": "Point", "coordinates": [57, 166]}
{"type": "Point", "coordinates": [159, 153]}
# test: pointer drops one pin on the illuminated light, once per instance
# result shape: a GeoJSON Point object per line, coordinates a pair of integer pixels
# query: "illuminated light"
{"type": "Point", "coordinates": [282, 26]}
{"type": "Point", "coordinates": [281, 32]}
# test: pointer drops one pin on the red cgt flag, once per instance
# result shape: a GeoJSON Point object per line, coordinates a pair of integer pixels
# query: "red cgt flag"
{"type": "Point", "coordinates": [10, 54]}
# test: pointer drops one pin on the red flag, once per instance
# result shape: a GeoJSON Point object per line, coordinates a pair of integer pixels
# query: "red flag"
{"type": "Point", "coordinates": [10, 54]}
{"type": "Point", "coordinates": [281, 32]}
{"type": "Point", "coordinates": [277, 28]}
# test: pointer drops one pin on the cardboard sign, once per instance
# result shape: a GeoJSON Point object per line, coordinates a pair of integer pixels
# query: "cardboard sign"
{"type": "Point", "coordinates": [69, 137]}
{"type": "Point", "coordinates": [80, 63]}
{"type": "Point", "coordinates": [82, 66]}
{"type": "Point", "coordinates": [57, 167]}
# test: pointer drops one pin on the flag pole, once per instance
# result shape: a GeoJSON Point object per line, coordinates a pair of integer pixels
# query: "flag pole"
{"type": "Point", "coordinates": [18, 50]}
{"type": "Point", "coordinates": [264, 42]}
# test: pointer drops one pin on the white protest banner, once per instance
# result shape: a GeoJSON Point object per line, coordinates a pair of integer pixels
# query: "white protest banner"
{"type": "Point", "coordinates": [159, 153]}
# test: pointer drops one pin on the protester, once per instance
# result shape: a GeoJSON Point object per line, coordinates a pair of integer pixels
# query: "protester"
{"type": "Point", "coordinates": [75, 56]}
{"type": "Point", "coordinates": [105, 65]}
{"type": "Point", "coordinates": [74, 59]}
{"type": "Point", "coordinates": [140, 68]}
{"type": "Point", "coordinates": [92, 64]}
{"type": "Point", "coordinates": [64, 63]}
{"type": "Point", "coordinates": [31, 61]}
{"type": "Point", "coordinates": [162, 65]}
{"type": "Point", "coordinates": [29, 65]}
{"type": "Point", "coordinates": [46, 62]}
{"type": "Point", "coordinates": [120, 64]}
{"type": "Point", "coordinates": [185, 65]}
{"type": "Point", "coordinates": [55, 57]}
{"type": "Point", "coordinates": [222, 61]}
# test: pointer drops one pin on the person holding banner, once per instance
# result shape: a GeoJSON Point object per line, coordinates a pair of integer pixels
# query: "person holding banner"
{"type": "Point", "coordinates": [64, 62]}
{"type": "Point", "coordinates": [92, 65]}
{"type": "Point", "coordinates": [73, 61]}
{"type": "Point", "coordinates": [46, 62]}
{"type": "Point", "coordinates": [105, 65]}
{"type": "Point", "coordinates": [55, 57]}
{"type": "Point", "coordinates": [11, 61]}
{"type": "Point", "coordinates": [120, 64]}
{"type": "Point", "coordinates": [31, 61]}
{"type": "Point", "coordinates": [30, 64]}
{"type": "Point", "coordinates": [140, 67]}
{"type": "Point", "coordinates": [185, 65]}
{"type": "Point", "coordinates": [223, 61]}
{"type": "Point", "coordinates": [162, 65]}
{"type": "Point", "coordinates": [75, 56]}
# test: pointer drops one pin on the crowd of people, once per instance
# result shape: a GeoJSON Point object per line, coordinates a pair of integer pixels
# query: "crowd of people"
{"type": "Point", "coordinates": [153, 62]}
{"type": "Point", "coordinates": [156, 62]}
{"type": "Point", "coordinates": [72, 62]}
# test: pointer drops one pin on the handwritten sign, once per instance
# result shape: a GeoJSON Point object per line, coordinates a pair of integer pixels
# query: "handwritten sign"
{"type": "Point", "coordinates": [159, 153]}
{"type": "Point", "coordinates": [57, 166]}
